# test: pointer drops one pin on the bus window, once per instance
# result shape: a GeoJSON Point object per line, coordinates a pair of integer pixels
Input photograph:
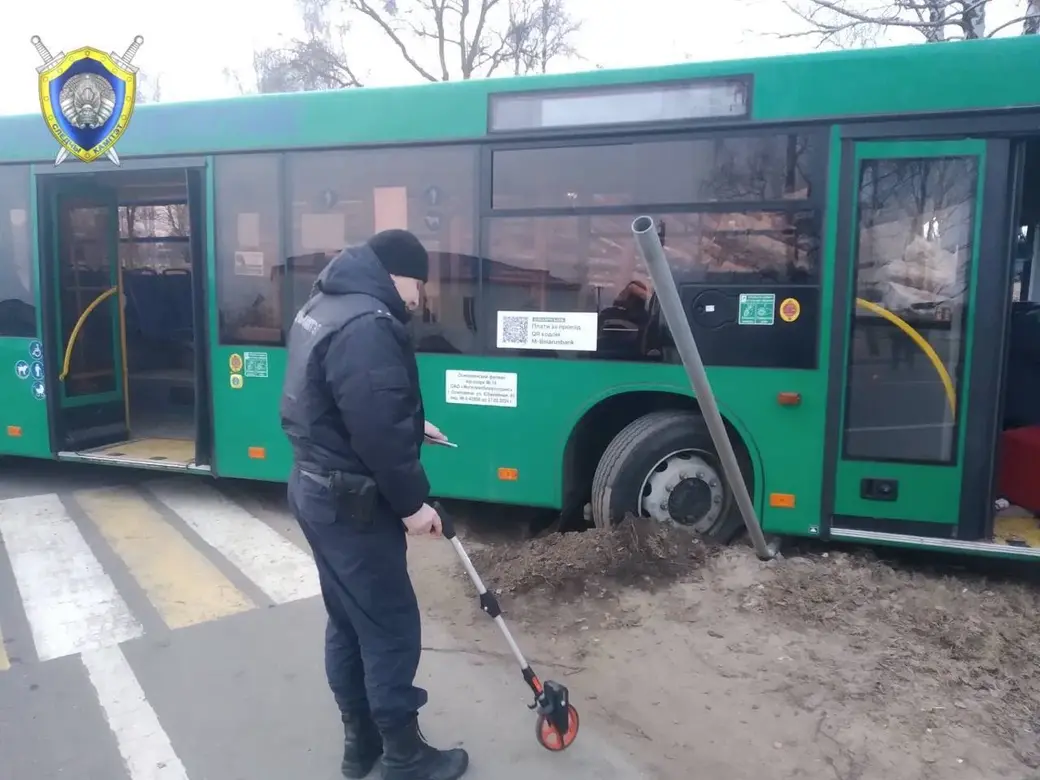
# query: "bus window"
{"type": "Point", "coordinates": [17, 302]}
{"type": "Point", "coordinates": [563, 240]}
{"type": "Point", "coordinates": [585, 264]}
{"type": "Point", "coordinates": [249, 246]}
{"type": "Point", "coordinates": [340, 198]}
{"type": "Point", "coordinates": [704, 170]}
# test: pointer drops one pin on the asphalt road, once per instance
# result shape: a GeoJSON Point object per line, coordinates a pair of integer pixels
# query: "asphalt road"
{"type": "Point", "coordinates": [154, 628]}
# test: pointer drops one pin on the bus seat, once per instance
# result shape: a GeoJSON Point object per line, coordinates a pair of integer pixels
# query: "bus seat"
{"type": "Point", "coordinates": [145, 296]}
{"type": "Point", "coordinates": [178, 288]}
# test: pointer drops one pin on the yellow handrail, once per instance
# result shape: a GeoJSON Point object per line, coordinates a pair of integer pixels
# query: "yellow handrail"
{"type": "Point", "coordinates": [79, 324]}
{"type": "Point", "coordinates": [919, 340]}
{"type": "Point", "coordinates": [121, 304]}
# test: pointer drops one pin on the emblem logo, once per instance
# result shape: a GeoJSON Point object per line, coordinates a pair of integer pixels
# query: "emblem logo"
{"type": "Point", "coordinates": [87, 98]}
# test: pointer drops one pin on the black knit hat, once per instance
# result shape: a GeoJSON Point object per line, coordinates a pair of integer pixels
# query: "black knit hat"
{"type": "Point", "coordinates": [401, 253]}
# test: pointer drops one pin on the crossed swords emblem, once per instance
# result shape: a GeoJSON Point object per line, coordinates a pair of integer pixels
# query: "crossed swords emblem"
{"type": "Point", "coordinates": [49, 61]}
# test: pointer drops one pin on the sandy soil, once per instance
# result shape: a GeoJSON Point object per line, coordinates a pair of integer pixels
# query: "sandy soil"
{"type": "Point", "coordinates": [822, 665]}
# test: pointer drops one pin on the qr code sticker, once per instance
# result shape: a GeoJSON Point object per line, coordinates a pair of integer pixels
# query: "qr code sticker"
{"type": "Point", "coordinates": [514, 330]}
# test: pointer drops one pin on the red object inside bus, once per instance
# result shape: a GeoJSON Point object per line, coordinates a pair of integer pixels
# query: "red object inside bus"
{"type": "Point", "coordinates": [1019, 478]}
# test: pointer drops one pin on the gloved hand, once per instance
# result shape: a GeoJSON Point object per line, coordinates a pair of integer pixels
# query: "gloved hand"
{"type": "Point", "coordinates": [425, 522]}
{"type": "Point", "coordinates": [433, 432]}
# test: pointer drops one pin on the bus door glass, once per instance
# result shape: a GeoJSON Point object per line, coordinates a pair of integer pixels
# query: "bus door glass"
{"type": "Point", "coordinates": [913, 259]}
{"type": "Point", "coordinates": [89, 317]}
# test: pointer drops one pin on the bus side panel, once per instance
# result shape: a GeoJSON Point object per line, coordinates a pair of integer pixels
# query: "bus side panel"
{"type": "Point", "coordinates": [247, 433]}
{"type": "Point", "coordinates": [528, 440]}
{"type": "Point", "coordinates": [24, 418]}
{"type": "Point", "coordinates": [248, 442]}
{"type": "Point", "coordinates": [23, 405]}
{"type": "Point", "coordinates": [513, 454]}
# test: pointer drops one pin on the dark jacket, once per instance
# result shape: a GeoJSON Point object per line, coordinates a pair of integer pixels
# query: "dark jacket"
{"type": "Point", "coordinates": [351, 400]}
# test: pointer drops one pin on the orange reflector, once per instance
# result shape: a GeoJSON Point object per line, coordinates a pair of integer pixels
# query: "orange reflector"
{"type": "Point", "coordinates": [14, 430]}
{"type": "Point", "coordinates": [789, 399]}
{"type": "Point", "coordinates": [782, 500]}
{"type": "Point", "coordinates": [509, 475]}
{"type": "Point", "coordinates": [257, 453]}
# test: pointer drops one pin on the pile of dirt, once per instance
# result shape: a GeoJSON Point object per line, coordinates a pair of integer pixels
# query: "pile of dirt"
{"type": "Point", "coordinates": [971, 638]}
{"type": "Point", "coordinates": [636, 552]}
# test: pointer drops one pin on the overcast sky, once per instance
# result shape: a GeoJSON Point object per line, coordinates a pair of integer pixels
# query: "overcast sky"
{"type": "Point", "coordinates": [190, 47]}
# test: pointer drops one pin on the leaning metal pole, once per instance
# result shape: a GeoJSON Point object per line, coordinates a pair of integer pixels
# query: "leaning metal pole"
{"type": "Point", "coordinates": [650, 248]}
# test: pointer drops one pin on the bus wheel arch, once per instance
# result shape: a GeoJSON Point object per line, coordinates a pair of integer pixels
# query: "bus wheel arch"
{"type": "Point", "coordinates": [657, 444]}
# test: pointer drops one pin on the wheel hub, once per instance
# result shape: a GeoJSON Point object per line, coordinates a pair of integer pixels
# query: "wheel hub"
{"type": "Point", "coordinates": [684, 489]}
{"type": "Point", "coordinates": [689, 501]}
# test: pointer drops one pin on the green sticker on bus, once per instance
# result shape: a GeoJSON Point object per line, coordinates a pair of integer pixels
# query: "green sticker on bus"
{"type": "Point", "coordinates": [756, 309]}
{"type": "Point", "coordinates": [255, 365]}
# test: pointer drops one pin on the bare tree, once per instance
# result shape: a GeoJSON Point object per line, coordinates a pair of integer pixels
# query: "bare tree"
{"type": "Point", "coordinates": [440, 40]}
{"type": "Point", "coordinates": [848, 23]}
{"type": "Point", "coordinates": [540, 31]}
{"type": "Point", "coordinates": [1031, 25]}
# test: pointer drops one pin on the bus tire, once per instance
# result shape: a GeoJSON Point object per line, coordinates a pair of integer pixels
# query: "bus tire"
{"type": "Point", "coordinates": [664, 466]}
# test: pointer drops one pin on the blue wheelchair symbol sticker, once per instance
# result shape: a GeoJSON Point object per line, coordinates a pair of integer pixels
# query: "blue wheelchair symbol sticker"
{"type": "Point", "coordinates": [36, 350]}
{"type": "Point", "coordinates": [38, 391]}
{"type": "Point", "coordinates": [21, 369]}
{"type": "Point", "coordinates": [36, 370]}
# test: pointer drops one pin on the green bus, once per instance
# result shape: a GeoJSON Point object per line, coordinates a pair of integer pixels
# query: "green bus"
{"type": "Point", "coordinates": [851, 234]}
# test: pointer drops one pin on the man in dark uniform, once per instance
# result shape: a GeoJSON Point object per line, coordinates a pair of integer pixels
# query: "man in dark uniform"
{"type": "Point", "coordinates": [353, 412]}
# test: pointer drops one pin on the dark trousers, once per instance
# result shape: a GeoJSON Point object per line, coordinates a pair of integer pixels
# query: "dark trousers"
{"type": "Point", "coordinates": [373, 638]}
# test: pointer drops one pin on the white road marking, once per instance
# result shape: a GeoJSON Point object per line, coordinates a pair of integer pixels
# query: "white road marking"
{"type": "Point", "coordinates": [144, 746]}
{"type": "Point", "coordinates": [278, 567]}
{"type": "Point", "coordinates": [71, 604]}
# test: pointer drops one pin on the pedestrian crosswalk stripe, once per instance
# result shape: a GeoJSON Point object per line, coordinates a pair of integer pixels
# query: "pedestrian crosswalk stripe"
{"type": "Point", "coordinates": [181, 583]}
{"type": "Point", "coordinates": [70, 602]}
{"type": "Point", "coordinates": [5, 662]}
{"type": "Point", "coordinates": [143, 744]}
{"type": "Point", "coordinates": [277, 566]}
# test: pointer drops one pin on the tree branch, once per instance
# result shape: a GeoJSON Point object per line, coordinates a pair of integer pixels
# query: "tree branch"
{"type": "Point", "coordinates": [478, 35]}
{"type": "Point", "coordinates": [931, 18]}
{"type": "Point", "coordinates": [363, 7]}
{"type": "Point", "coordinates": [527, 33]}
{"type": "Point", "coordinates": [1018, 20]}
{"type": "Point", "coordinates": [885, 21]}
{"type": "Point", "coordinates": [438, 20]}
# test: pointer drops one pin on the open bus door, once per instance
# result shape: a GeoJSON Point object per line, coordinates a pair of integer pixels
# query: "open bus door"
{"type": "Point", "coordinates": [919, 297]}
{"type": "Point", "coordinates": [87, 316]}
{"type": "Point", "coordinates": [197, 210]}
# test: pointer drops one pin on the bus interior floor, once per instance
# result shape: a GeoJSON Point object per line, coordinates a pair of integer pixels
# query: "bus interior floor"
{"type": "Point", "coordinates": [1015, 526]}
{"type": "Point", "coordinates": [161, 433]}
{"type": "Point", "coordinates": [821, 664]}
{"type": "Point", "coordinates": [169, 425]}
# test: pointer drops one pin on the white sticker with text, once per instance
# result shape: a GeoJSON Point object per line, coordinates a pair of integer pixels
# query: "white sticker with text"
{"type": "Point", "coordinates": [555, 330]}
{"type": "Point", "coordinates": [480, 388]}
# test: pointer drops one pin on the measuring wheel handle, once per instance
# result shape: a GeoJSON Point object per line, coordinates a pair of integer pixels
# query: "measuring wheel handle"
{"type": "Point", "coordinates": [488, 602]}
{"type": "Point", "coordinates": [557, 724]}
{"type": "Point", "coordinates": [447, 524]}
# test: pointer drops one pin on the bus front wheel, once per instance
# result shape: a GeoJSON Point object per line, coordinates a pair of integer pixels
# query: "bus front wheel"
{"type": "Point", "coordinates": [664, 467]}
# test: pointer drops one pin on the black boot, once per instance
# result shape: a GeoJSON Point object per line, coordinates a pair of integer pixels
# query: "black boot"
{"type": "Point", "coordinates": [407, 757]}
{"type": "Point", "coordinates": [362, 745]}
